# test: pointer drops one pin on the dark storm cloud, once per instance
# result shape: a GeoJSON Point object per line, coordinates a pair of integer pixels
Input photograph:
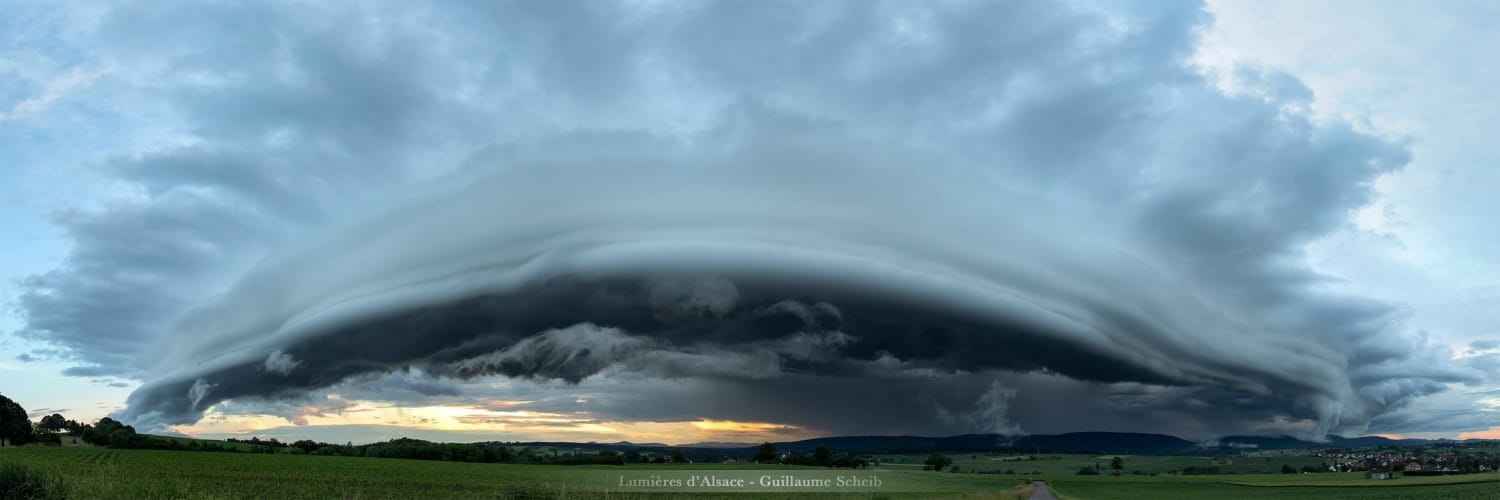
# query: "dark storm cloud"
{"type": "Point", "coordinates": [971, 203]}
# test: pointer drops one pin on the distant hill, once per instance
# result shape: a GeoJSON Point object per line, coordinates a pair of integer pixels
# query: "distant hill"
{"type": "Point", "coordinates": [1122, 443]}
{"type": "Point", "coordinates": [720, 444]}
{"type": "Point", "coordinates": [1100, 442]}
{"type": "Point", "coordinates": [653, 445]}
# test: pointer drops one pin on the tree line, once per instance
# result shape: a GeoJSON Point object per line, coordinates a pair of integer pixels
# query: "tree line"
{"type": "Point", "coordinates": [822, 456]}
{"type": "Point", "coordinates": [16, 428]}
{"type": "Point", "coordinates": [417, 449]}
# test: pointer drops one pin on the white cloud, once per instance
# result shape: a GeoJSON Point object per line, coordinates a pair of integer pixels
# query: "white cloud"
{"type": "Point", "coordinates": [57, 89]}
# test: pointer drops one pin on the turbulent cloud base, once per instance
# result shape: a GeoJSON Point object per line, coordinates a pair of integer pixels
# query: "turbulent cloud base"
{"type": "Point", "coordinates": [982, 208]}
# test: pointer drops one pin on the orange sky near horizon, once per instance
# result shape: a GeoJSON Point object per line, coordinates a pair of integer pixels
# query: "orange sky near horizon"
{"type": "Point", "coordinates": [1491, 433]}
{"type": "Point", "coordinates": [504, 424]}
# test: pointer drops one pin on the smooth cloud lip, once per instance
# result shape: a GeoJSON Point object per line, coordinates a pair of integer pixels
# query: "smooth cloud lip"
{"type": "Point", "coordinates": [967, 268]}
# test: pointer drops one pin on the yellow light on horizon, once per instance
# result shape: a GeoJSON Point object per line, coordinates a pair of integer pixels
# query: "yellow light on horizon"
{"type": "Point", "coordinates": [733, 426]}
{"type": "Point", "coordinates": [489, 417]}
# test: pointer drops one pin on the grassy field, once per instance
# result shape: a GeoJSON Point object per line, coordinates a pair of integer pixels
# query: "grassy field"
{"type": "Point", "coordinates": [1054, 464]}
{"type": "Point", "coordinates": [1350, 485]}
{"type": "Point", "coordinates": [107, 473]}
{"type": "Point", "coordinates": [1198, 490]}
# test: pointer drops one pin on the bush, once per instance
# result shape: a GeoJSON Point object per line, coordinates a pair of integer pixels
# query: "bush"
{"type": "Point", "coordinates": [20, 482]}
{"type": "Point", "coordinates": [938, 461]}
{"type": "Point", "coordinates": [46, 437]}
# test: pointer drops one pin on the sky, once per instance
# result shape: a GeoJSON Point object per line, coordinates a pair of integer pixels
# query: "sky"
{"type": "Point", "coordinates": [688, 222]}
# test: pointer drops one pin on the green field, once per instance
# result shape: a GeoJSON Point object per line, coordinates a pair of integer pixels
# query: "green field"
{"type": "Point", "coordinates": [1313, 486]}
{"type": "Point", "coordinates": [1056, 464]}
{"type": "Point", "coordinates": [108, 473]}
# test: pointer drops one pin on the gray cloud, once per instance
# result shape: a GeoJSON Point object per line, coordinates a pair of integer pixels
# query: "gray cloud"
{"type": "Point", "coordinates": [571, 354]}
{"type": "Point", "coordinates": [280, 362]}
{"type": "Point", "coordinates": [991, 412]}
{"type": "Point", "coordinates": [773, 200]}
{"type": "Point", "coordinates": [42, 412]}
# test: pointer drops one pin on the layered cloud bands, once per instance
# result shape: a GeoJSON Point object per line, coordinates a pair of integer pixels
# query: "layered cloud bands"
{"type": "Point", "coordinates": [763, 198]}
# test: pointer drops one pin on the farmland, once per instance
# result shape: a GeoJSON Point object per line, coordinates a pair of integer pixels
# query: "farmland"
{"type": "Point", "coordinates": [1312, 486]}
{"type": "Point", "coordinates": [110, 473]}
{"type": "Point", "coordinates": [1242, 477]}
{"type": "Point", "coordinates": [1067, 464]}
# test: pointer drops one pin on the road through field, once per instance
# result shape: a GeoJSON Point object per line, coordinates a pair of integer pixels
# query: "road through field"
{"type": "Point", "coordinates": [1041, 493]}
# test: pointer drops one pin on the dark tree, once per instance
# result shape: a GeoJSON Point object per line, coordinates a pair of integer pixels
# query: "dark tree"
{"type": "Point", "coordinates": [937, 461]}
{"type": "Point", "coordinates": [121, 438]}
{"type": "Point", "coordinates": [112, 433]}
{"type": "Point", "coordinates": [46, 437]}
{"type": "Point", "coordinates": [307, 445]}
{"type": "Point", "coordinates": [15, 426]}
{"type": "Point", "coordinates": [1287, 469]}
{"type": "Point", "coordinates": [1118, 464]}
{"type": "Point", "coordinates": [611, 457]}
{"type": "Point", "coordinates": [54, 423]}
{"type": "Point", "coordinates": [678, 457]}
{"type": "Point", "coordinates": [822, 456]}
{"type": "Point", "coordinates": [766, 454]}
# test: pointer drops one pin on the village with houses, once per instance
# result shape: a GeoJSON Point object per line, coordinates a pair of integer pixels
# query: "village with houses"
{"type": "Point", "coordinates": [1431, 460]}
